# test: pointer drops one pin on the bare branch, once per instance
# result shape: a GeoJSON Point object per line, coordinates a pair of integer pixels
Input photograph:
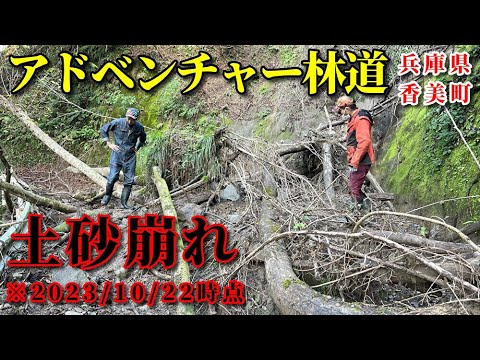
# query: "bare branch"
{"type": "Point", "coordinates": [452, 228]}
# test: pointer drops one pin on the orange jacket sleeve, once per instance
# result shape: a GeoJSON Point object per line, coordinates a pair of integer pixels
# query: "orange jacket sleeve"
{"type": "Point", "coordinates": [364, 141]}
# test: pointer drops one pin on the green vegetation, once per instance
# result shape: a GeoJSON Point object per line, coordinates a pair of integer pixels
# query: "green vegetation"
{"type": "Point", "coordinates": [288, 282]}
{"type": "Point", "coordinates": [60, 115]}
{"type": "Point", "coordinates": [183, 152]}
{"type": "Point", "coordinates": [426, 160]}
{"type": "Point", "coordinates": [289, 55]}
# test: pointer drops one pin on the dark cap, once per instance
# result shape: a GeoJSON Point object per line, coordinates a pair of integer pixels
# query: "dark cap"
{"type": "Point", "coordinates": [133, 113]}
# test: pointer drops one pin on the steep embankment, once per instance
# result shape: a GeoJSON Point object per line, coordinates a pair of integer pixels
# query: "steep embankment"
{"type": "Point", "coordinates": [424, 160]}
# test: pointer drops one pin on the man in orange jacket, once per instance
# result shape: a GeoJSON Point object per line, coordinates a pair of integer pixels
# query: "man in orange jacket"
{"type": "Point", "coordinates": [360, 154]}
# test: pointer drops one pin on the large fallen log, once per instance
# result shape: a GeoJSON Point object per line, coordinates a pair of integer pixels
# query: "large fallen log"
{"type": "Point", "coordinates": [467, 230]}
{"type": "Point", "coordinates": [291, 295]}
{"type": "Point", "coordinates": [420, 241]}
{"type": "Point", "coordinates": [182, 272]}
{"type": "Point", "coordinates": [458, 259]}
{"type": "Point", "coordinates": [464, 237]}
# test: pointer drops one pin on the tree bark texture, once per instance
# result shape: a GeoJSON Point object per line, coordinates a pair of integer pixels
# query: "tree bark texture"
{"type": "Point", "coordinates": [182, 273]}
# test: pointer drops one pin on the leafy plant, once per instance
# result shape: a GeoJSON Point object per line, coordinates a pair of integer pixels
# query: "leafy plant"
{"type": "Point", "coordinates": [299, 226]}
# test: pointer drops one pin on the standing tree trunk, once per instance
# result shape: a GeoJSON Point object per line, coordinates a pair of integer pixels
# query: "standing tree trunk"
{"type": "Point", "coordinates": [8, 176]}
{"type": "Point", "coordinates": [327, 163]}
{"type": "Point", "coordinates": [328, 171]}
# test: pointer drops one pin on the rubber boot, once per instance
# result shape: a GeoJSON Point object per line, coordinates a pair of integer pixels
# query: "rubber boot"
{"type": "Point", "coordinates": [127, 189]}
{"type": "Point", "coordinates": [108, 194]}
{"type": "Point", "coordinates": [366, 204]}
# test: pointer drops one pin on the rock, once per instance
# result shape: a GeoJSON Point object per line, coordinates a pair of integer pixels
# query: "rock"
{"type": "Point", "coordinates": [70, 312]}
{"type": "Point", "coordinates": [187, 211]}
{"type": "Point", "coordinates": [234, 218]}
{"type": "Point", "coordinates": [68, 274]}
{"type": "Point", "coordinates": [230, 193]}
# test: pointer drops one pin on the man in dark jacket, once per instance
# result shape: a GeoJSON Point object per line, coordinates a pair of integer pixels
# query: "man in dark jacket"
{"type": "Point", "coordinates": [360, 154]}
{"type": "Point", "coordinates": [129, 136]}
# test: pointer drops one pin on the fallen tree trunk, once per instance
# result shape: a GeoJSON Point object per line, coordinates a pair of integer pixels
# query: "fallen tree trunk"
{"type": "Point", "coordinates": [291, 295]}
{"type": "Point", "coordinates": [422, 218]}
{"type": "Point", "coordinates": [104, 171]}
{"type": "Point", "coordinates": [37, 199]}
{"type": "Point", "coordinates": [294, 149]}
{"type": "Point", "coordinates": [457, 259]}
{"type": "Point", "coordinates": [421, 261]}
{"type": "Point", "coordinates": [420, 241]}
{"type": "Point", "coordinates": [52, 144]}
{"type": "Point", "coordinates": [381, 196]}
{"type": "Point", "coordinates": [467, 230]}
{"type": "Point", "coordinates": [188, 188]}
{"type": "Point", "coordinates": [182, 273]}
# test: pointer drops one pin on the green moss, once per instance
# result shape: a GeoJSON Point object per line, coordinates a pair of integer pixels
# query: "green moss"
{"type": "Point", "coordinates": [426, 161]}
{"type": "Point", "coordinates": [286, 135]}
{"type": "Point", "coordinates": [260, 128]}
{"type": "Point", "coordinates": [289, 55]}
{"type": "Point", "coordinates": [264, 88]}
{"type": "Point", "coordinates": [403, 158]}
{"type": "Point", "coordinates": [227, 121]}
{"type": "Point", "coordinates": [288, 282]}
{"type": "Point", "coordinates": [263, 128]}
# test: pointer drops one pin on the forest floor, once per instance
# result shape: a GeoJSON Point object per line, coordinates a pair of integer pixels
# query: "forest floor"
{"type": "Point", "coordinates": [130, 288]}
{"type": "Point", "coordinates": [56, 182]}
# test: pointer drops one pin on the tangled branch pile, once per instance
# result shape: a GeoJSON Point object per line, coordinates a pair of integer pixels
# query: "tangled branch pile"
{"type": "Point", "coordinates": [380, 259]}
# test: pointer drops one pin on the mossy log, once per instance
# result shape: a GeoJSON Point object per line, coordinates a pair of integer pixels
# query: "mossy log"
{"type": "Point", "coordinates": [182, 272]}
{"type": "Point", "coordinates": [291, 295]}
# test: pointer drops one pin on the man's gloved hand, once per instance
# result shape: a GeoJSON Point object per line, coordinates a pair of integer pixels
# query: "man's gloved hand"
{"type": "Point", "coordinates": [114, 147]}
